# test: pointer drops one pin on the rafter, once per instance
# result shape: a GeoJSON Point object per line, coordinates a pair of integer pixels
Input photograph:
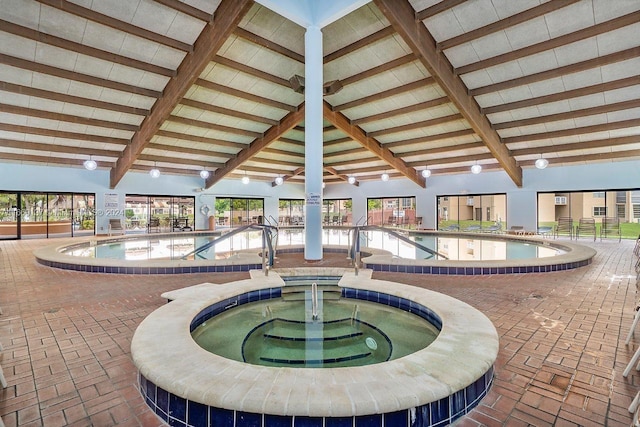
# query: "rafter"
{"type": "Point", "coordinates": [213, 126]}
{"type": "Point", "coordinates": [604, 127]}
{"type": "Point", "coordinates": [71, 99]}
{"type": "Point", "coordinates": [188, 150]}
{"type": "Point", "coordinates": [566, 39]}
{"type": "Point", "coordinates": [419, 84]}
{"type": "Point", "coordinates": [75, 76]}
{"type": "Point", "coordinates": [416, 125]}
{"type": "Point", "coordinates": [561, 96]}
{"type": "Point", "coordinates": [49, 115]}
{"type": "Point", "coordinates": [577, 67]}
{"type": "Point", "coordinates": [54, 133]}
{"type": "Point", "coordinates": [363, 42]}
{"type": "Point", "coordinates": [80, 48]}
{"type": "Point", "coordinates": [431, 138]}
{"type": "Point", "coordinates": [211, 39]}
{"type": "Point", "coordinates": [187, 9]}
{"type": "Point", "coordinates": [267, 44]}
{"type": "Point", "coordinates": [337, 174]}
{"type": "Point", "coordinates": [505, 23]}
{"type": "Point", "coordinates": [125, 27]}
{"type": "Point", "coordinates": [439, 150]}
{"type": "Point", "coordinates": [399, 62]}
{"type": "Point", "coordinates": [251, 71]}
{"type": "Point", "coordinates": [436, 9]}
{"type": "Point", "coordinates": [401, 15]}
{"type": "Point", "coordinates": [243, 95]}
{"type": "Point", "coordinates": [404, 110]}
{"type": "Point", "coordinates": [49, 160]}
{"type": "Point", "coordinates": [582, 145]}
{"type": "Point", "coordinates": [226, 111]}
{"type": "Point", "coordinates": [272, 134]}
{"type": "Point", "coordinates": [340, 121]}
{"type": "Point", "coordinates": [204, 140]}
{"type": "Point", "coordinates": [57, 148]}
{"type": "Point", "coordinates": [178, 161]}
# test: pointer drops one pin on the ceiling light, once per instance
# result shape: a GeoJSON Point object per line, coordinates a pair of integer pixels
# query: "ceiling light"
{"type": "Point", "coordinates": [476, 169]}
{"type": "Point", "coordinates": [245, 178]}
{"type": "Point", "coordinates": [324, 185]}
{"type": "Point", "coordinates": [351, 180]}
{"type": "Point", "coordinates": [155, 172]}
{"type": "Point", "coordinates": [426, 173]}
{"type": "Point", "coordinates": [204, 174]}
{"type": "Point", "coordinates": [90, 164]}
{"type": "Point", "coordinates": [384, 177]}
{"type": "Point", "coordinates": [542, 163]}
{"type": "Point", "coordinates": [279, 180]}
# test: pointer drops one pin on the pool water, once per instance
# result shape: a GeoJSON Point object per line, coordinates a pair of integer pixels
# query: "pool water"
{"type": "Point", "coordinates": [175, 247]}
{"type": "Point", "coordinates": [281, 332]}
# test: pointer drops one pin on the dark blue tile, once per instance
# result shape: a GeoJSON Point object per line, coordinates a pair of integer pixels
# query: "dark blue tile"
{"type": "Point", "coordinates": [400, 418]}
{"type": "Point", "coordinates": [197, 414]}
{"type": "Point", "coordinates": [246, 419]}
{"type": "Point", "coordinates": [178, 408]}
{"type": "Point", "coordinates": [439, 410]}
{"type": "Point", "coordinates": [308, 422]}
{"type": "Point", "coordinates": [220, 417]}
{"type": "Point", "coordinates": [277, 421]}
{"type": "Point", "coordinates": [458, 404]}
{"type": "Point", "coordinates": [374, 420]}
{"type": "Point", "coordinates": [422, 416]}
{"type": "Point", "coordinates": [162, 400]}
{"type": "Point", "coordinates": [151, 393]}
{"type": "Point", "coordinates": [339, 422]}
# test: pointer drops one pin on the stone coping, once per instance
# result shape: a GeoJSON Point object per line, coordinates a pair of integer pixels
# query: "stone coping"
{"type": "Point", "coordinates": [165, 353]}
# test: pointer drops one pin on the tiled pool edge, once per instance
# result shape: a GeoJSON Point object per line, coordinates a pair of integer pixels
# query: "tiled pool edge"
{"type": "Point", "coordinates": [396, 380]}
{"type": "Point", "coordinates": [180, 412]}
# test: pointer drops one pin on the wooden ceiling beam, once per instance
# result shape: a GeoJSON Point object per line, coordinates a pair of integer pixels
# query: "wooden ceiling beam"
{"type": "Point", "coordinates": [505, 23]}
{"type": "Point", "coordinates": [50, 160]}
{"type": "Point", "coordinates": [71, 99]}
{"type": "Point", "coordinates": [178, 161]}
{"type": "Point", "coordinates": [75, 76]}
{"type": "Point", "coordinates": [267, 44]}
{"type": "Point", "coordinates": [71, 46]}
{"type": "Point", "coordinates": [280, 162]}
{"type": "Point", "coordinates": [454, 159]}
{"type": "Point", "coordinates": [187, 9]}
{"type": "Point", "coordinates": [399, 62]}
{"type": "Point", "coordinates": [226, 111]}
{"type": "Point", "coordinates": [289, 176]}
{"type": "Point", "coordinates": [556, 42]}
{"type": "Point", "coordinates": [604, 127]}
{"type": "Point", "coordinates": [279, 152]}
{"type": "Point", "coordinates": [419, 84]}
{"type": "Point", "coordinates": [340, 121]}
{"type": "Point", "coordinates": [359, 44]}
{"type": "Point", "coordinates": [237, 66]}
{"type": "Point", "coordinates": [404, 110]}
{"type": "Point", "coordinates": [57, 148]}
{"type": "Point", "coordinates": [577, 67]}
{"type": "Point", "coordinates": [431, 138]}
{"type": "Point", "coordinates": [436, 9]}
{"type": "Point", "coordinates": [244, 95]}
{"type": "Point", "coordinates": [351, 162]}
{"type": "Point", "coordinates": [54, 133]}
{"type": "Point", "coordinates": [49, 115]}
{"type": "Point", "coordinates": [213, 126]}
{"type": "Point", "coordinates": [187, 150]}
{"type": "Point", "coordinates": [272, 134]}
{"type": "Point", "coordinates": [574, 114]}
{"type": "Point", "coordinates": [561, 96]}
{"type": "Point", "coordinates": [439, 150]}
{"type": "Point", "coordinates": [227, 16]}
{"type": "Point", "coordinates": [400, 14]}
{"type": "Point", "coordinates": [116, 24]}
{"type": "Point", "coordinates": [616, 155]}
{"type": "Point", "coordinates": [359, 150]}
{"type": "Point", "coordinates": [582, 145]}
{"type": "Point", "coordinates": [417, 125]}
{"type": "Point", "coordinates": [337, 174]}
{"type": "Point", "coordinates": [202, 139]}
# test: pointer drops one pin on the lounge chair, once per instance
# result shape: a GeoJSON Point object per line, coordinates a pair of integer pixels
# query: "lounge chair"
{"type": "Point", "coordinates": [586, 226]}
{"type": "Point", "coordinates": [610, 227]}
{"type": "Point", "coordinates": [473, 228]}
{"type": "Point", "coordinates": [115, 226]}
{"type": "Point", "coordinates": [544, 231]}
{"type": "Point", "coordinates": [564, 226]}
{"type": "Point", "coordinates": [451, 227]}
{"type": "Point", "coordinates": [154, 223]}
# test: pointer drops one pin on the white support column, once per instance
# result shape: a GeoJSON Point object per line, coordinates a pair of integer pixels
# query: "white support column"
{"type": "Point", "coordinates": [313, 97]}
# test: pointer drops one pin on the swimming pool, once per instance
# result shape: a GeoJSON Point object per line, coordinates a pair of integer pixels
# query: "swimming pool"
{"type": "Point", "coordinates": [186, 385]}
{"type": "Point", "coordinates": [460, 253]}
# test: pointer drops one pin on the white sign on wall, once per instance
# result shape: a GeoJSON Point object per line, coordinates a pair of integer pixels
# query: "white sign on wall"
{"type": "Point", "coordinates": [314, 199]}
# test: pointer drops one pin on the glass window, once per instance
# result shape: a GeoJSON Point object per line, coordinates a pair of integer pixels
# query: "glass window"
{"type": "Point", "coordinates": [336, 212]}
{"type": "Point", "coordinates": [599, 211]}
{"type": "Point", "coordinates": [392, 212]}
{"type": "Point", "coordinates": [472, 212]}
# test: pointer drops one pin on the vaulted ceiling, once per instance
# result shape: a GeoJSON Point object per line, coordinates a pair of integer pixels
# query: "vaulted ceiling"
{"type": "Point", "coordinates": [194, 84]}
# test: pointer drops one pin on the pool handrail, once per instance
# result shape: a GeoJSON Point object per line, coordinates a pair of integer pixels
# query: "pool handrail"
{"type": "Point", "coordinates": [354, 250]}
{"type": "Point", "coordinates": [266, 230]}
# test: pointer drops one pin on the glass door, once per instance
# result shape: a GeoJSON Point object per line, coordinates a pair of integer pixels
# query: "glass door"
{"type": "Point", "coordinates": [9, 215]}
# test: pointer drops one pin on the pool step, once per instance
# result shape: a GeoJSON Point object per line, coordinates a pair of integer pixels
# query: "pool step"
{"type": "Point", "coordinates": [299, 292]}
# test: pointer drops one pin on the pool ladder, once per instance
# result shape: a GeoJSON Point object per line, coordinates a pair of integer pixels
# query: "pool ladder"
{"type": "Point", "coordinates": [314, 301]}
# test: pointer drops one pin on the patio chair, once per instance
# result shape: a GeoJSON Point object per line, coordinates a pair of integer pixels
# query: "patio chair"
{"type": "Point", "coordinates": [564, 226]}
{"type": "Point", "coordinates": [154, 223]}
{"type": "Point", "coordinates": [495, 228]}
{"type": "Point", "coordinates": [473, 228]}
{"type": "Point", "coordinates": [586, 226]}
{"type": "Point", "coordinates": [115, 226]}
{"type": "Point", "coordinates": [610, 227]}
{"type": "Point", "coordinates": [451, 227]}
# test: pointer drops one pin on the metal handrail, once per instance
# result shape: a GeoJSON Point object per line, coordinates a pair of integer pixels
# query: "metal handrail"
{"type": "Point", "coordinates": [354, 250]}
{"type": "Point", "coordinates": [266, 229]}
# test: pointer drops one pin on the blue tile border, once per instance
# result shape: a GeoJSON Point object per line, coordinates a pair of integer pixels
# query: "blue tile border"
{"type": "Point", "coordinates": [177, 411]}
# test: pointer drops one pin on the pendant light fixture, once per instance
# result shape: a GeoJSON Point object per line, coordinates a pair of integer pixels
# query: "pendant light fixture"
{"type": "Point", "coordinates": [155, 172]}
{"type": "Point", "coordinates": [90, 164]}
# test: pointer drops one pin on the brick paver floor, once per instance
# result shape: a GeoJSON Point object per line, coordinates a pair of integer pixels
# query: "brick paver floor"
{"type": "Point", "coordinates": [66, 339]}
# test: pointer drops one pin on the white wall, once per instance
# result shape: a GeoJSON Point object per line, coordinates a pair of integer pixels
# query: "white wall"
{"type": "Point", "coordinates": [521, 202]}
